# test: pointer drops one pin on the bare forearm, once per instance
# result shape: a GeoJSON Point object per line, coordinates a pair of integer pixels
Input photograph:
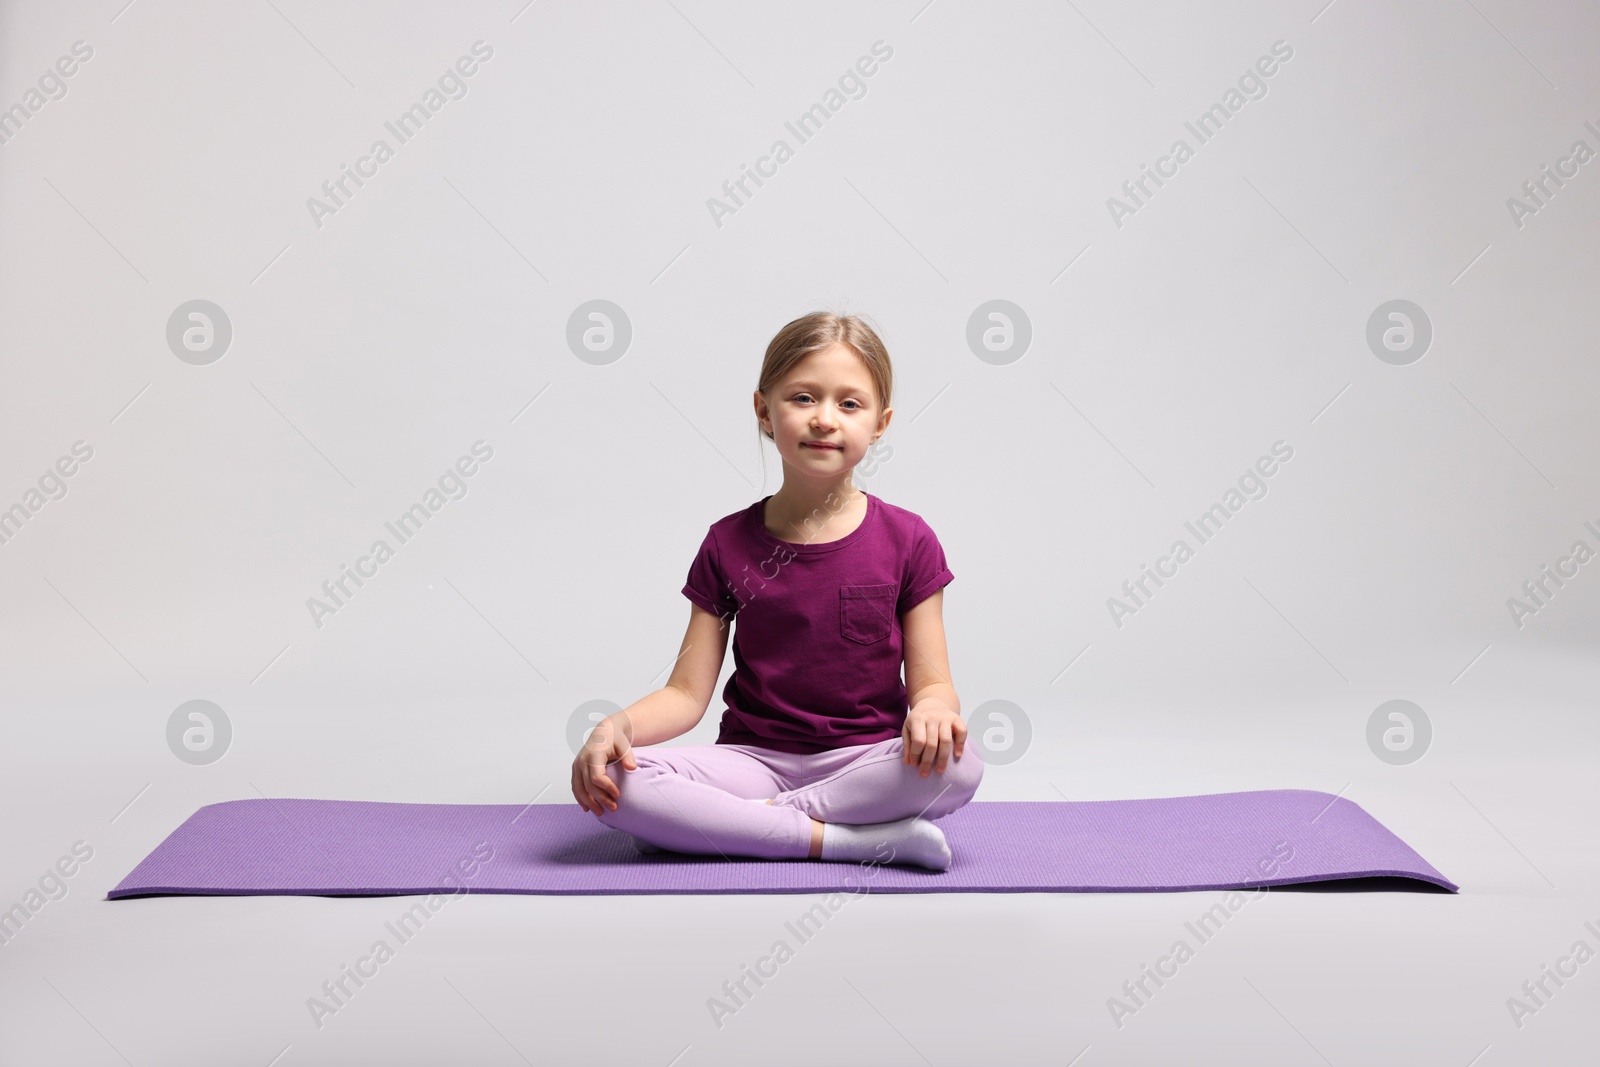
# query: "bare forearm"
{"type": "Point", "coordinates": [659, 716]}
{"type": "Point", "coordinates": [943, 692]}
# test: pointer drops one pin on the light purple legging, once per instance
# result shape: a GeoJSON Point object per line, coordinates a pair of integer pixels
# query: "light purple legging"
{"type": "Point", "coordinates": [697, 798]}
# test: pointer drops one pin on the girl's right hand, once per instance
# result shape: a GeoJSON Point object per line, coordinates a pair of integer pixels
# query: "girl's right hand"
{"type": "Point", "coordinates": [607, 744]}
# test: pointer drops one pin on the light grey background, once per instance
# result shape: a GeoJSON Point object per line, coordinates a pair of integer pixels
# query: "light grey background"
{"type": "Point", "coordinates": [430, 312]}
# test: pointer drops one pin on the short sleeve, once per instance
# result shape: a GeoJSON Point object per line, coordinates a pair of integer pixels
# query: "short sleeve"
{"type": "Point", "coordinates": [926, 571]}
{"type": "Point", "coordinates": [706, 586]}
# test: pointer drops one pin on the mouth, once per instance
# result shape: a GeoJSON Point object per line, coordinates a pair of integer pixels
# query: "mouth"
{"type": "Point", "coordinates": [820, 447]}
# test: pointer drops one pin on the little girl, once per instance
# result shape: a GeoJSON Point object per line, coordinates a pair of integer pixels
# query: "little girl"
{"type": "Point", "coordinates": [823, 753]}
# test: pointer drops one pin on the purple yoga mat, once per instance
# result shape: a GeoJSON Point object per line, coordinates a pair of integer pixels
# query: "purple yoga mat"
{"type": "Point", "coordinates": [365, 848]}
{"type": "Point", "coordinates": [1173, 843]}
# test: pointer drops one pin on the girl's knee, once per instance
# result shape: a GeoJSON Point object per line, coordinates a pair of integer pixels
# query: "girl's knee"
{"type": "Point", "coordinates": [961, 777]}
{"type": "Point", "coordinates": [965, 774]}
{"type": "Point", "coordinates": [628, 782]}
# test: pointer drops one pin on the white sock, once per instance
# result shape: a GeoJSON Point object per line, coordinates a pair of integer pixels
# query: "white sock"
{"type": "Point", "coordinates": [913, 839]}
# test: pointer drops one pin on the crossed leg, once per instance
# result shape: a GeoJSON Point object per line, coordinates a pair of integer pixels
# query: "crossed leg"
{"type": "Point", "coordinates": [873, 784]}
{"type": "Point", "coordinates": [696, 798]}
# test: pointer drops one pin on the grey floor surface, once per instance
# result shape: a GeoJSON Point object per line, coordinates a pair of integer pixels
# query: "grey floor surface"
{"type": "Point", "coordinates": [1504, 804]}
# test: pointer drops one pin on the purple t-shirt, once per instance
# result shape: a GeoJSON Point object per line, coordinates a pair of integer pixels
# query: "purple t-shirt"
{"type": "Point", "coordinates": [817, 649]}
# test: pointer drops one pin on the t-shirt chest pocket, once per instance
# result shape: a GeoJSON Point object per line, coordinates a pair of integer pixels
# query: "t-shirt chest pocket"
{"type": "Point", "coordinates": [866, 612]}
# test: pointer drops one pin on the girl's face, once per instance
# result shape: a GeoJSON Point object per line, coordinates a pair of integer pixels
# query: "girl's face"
{"type": "Point", "coordinates": [824, 414]}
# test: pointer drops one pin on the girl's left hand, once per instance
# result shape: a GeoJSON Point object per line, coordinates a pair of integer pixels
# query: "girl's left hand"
{"type": "Point", "coordinates": [932, 734]}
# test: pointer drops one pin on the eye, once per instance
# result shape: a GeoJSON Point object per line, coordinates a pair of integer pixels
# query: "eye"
{"type": "Point", "coordinates": [857, 405]}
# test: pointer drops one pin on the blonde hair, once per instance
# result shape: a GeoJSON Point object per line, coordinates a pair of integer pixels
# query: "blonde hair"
{"type": "Point", "coordinates": [816, 331]}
